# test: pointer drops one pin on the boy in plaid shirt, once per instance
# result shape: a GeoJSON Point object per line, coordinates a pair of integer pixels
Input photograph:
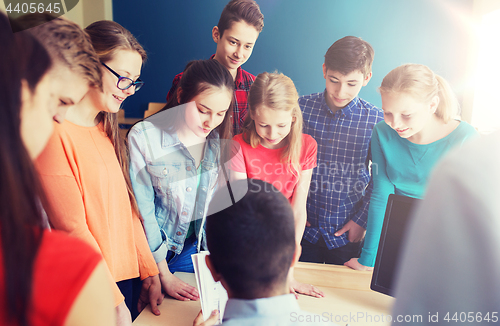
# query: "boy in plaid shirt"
{"type": "Point", "coordinates": [236, 33]}
{"type": "Point", "coordinates": [342, 124]}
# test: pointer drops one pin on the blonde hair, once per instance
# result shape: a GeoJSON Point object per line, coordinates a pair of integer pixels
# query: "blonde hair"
{"type": "Point", "coordinates": [423, 84]}
{"type": "Point", "coordinates": [277, 92]}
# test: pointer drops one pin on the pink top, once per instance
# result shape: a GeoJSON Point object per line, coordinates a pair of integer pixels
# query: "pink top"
{"type": "Point", "coordinates": [265, 164]}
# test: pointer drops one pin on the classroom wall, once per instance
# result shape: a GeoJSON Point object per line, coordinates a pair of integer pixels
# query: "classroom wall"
{"type": "Point", "coordinates": [297, 34]}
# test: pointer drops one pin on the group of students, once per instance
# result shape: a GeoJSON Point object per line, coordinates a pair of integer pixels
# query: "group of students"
{"type": "Point", "coordinates": [142, 204]}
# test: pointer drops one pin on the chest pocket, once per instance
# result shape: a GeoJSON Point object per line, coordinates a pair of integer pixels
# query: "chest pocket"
{"type": "Point", "coordinates": [166, 178]}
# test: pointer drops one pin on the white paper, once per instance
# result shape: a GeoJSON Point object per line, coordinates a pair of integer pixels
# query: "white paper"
{"type": "Point", "coordinates": [212, 294]}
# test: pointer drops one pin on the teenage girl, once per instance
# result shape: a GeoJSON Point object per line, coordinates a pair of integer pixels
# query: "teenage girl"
{"type": "Point", "coordinates": [420, 125]}
{"type": "Point", "coordinates": [85, 173]}
{"type": "Point", "coordinates": [273, 148]}
{"type": "Point", "coordinates": [174, 159]}
{"type": "Point", "coordinates": [36, 264]}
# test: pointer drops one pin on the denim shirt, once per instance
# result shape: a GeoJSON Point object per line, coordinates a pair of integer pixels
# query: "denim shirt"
{"type": "Point", "coordinates": [164, 180]}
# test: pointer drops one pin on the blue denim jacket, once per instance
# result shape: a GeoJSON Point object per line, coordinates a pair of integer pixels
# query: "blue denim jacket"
{"type": "Point", "coordinates": [164, 179]}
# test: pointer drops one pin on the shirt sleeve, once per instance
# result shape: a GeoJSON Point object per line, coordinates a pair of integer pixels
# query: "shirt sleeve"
{"type": "Point", "coordinates": [382, 188]}
{"type": "Point", "coordinates": [55, 293]}
{"type": "Point", "coordinates": [311, 151]}
{"type": "Point", "coordinates": [237, 159]}
{"type": "Point", "coordinates": [58, 172]}
{"type": "Point", "coordinates": [147, 262]}
{"type": "Point", "coordinates": [145, 194]}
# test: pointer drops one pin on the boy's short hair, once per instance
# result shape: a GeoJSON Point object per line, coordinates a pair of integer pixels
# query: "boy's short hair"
{"type": "Point", "coordinates": [252, 242]}
{"type": "Point", "coordinates": [238, 10]}
{"type": "Point", "coordinates": [350, 54]}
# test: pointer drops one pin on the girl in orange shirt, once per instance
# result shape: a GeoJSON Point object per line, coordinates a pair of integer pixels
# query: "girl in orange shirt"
{"type": "Point", "coordinates": [84, 170]}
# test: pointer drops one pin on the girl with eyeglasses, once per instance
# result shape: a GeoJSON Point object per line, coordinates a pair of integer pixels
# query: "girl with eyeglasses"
{"type": "Point", "coordinates": [85, 172]}
{"type": "Point", "coordinates": [175, 157]}
{"type": "Point", "coordinates": [46, 278]}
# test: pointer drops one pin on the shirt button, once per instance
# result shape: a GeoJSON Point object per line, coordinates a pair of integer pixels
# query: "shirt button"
{"type": "Point", "coordinates": [188, 168]}
{"type": "Point", "coordinates": [174, 247]}
{"type": "Point", "coordinates": [179, 233]}
{"type": "Point", "coordinates": [165, 171]}
{"type": "Point", "coordinates": [188, 189]}
{"type": "Point", "coordinates": [184, 213]}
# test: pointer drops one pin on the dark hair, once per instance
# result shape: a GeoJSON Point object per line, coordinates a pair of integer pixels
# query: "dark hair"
{"type": "Point", "coordinates": [108, 37]}
{"type": "Point", "coordinates": [252, 242]}
{"type": "Point", "coordinates": [66, 43]}
{"type": "Point", "coordinates": [238, 10]}
{"type": "Point", "coordinates": [199, 76]}
{"type": "Point", "coordinates": [21, 58]}
{"type": "Point", "coordinates": [350, 54]}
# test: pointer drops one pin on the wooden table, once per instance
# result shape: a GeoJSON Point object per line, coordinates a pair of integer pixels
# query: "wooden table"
{"type": "Point", "coordinates": [348, 299]}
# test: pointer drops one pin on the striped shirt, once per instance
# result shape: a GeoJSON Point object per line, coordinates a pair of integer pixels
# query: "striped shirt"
{"type": "Point", "coordinates": [340, 187]}
{"type": "Point", "coordinates": [242, 85]}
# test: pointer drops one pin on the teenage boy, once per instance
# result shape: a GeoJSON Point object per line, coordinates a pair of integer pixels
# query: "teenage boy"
{"type": "Point", "coordinates": [252, 246]}
{"type": "Point", "coordinates": [342, 124]}
{"type": "Point", "coordinates": [236, 33]}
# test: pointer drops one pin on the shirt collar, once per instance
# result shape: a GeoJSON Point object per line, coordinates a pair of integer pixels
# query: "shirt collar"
{"type": "Point", "coordinates": [238, 81]}
{"type": "Point", "coordinates": [345, 111]}
{"type": "Point", "coordinates": [263, 307]}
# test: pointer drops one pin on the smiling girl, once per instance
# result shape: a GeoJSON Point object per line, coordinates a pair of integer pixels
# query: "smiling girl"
{"type": "Point", "coordinates": [85, 173]}
{"type": "Point", "coordinates": [272, 148]}
{"type": "Point", "coordinates": [420, 125]}
{"type": "Point", "coordinates": [174, 159]}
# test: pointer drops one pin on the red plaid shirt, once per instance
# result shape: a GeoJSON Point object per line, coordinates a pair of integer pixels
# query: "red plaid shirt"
{"type": "Point", "coordinates": [242, 85]}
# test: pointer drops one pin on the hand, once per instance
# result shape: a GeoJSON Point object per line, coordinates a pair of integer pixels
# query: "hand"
{"type": "Point", "coordinates": [212, 320]}
{"type": "Point", "coordinates": [150, 293]}
{"type": "Point", "coordinates": [123, 317]}
{"type": "Point", "coordinates": [354, 264]}
{"type": "Point", "coordinates": [178, 289]}
{"type": "Point", "coordinates": [302, 288]}
{"type": "Point", "coordinates": [356, 232]}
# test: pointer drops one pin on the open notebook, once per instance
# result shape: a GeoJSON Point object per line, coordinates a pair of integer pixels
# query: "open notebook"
{"type": "Point", "coordinates": [212, 294]}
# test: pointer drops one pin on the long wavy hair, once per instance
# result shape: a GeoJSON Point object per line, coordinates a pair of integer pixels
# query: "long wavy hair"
{"type": "Point", "coordinates": [276, 92]}
{"type": "Point", "coordinates": [22, 58]}
{"type": "Point", "coordinates": [108, 38]}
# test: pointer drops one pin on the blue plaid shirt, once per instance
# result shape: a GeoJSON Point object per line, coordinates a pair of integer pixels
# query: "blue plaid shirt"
{"type": "Point", "coordinates": [340, 187]}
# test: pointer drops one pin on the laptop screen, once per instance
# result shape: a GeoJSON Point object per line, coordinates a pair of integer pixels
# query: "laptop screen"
{"type": "Point", "coordinates": [391, 239]}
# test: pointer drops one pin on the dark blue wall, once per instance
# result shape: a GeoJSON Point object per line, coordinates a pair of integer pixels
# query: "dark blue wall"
{"type": "Point", "coordinates": [296, 35]}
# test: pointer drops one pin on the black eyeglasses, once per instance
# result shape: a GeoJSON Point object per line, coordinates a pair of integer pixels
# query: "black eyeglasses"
{"type": "Point", "coordinates": [125, 82]}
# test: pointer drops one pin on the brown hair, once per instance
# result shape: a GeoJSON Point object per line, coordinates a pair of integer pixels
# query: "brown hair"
{"type": "Point", "coordinates": [350, 54]}
{"type": "Point", "coordinates": [109, 37]}
{"type": "Point", "coordinates": [423, 84]}
{"type": "Point", "coordinates": [66, 43]}
{"type": "Point", "coordinates": [22, 58]}
{"type": "Point", "coordinates": [238, 10]}
{"type": "Point", "coordinates": [276, 92]}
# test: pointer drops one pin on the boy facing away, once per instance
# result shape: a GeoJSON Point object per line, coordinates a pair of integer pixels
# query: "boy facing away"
{"type": "Point", "coordinates": [342, 124]}
{"type": "Point", "coordinates": [252, 247]}
{"type": "Point", "coordinates": [236, 33]}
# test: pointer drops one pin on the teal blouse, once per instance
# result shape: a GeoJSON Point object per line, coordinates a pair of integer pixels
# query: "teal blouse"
{"type": "Point", "coordinates": [401, 167]}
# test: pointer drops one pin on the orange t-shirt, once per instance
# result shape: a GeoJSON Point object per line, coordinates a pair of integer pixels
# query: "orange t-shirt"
{"type": "Point", "coordinates": [86, 187]}
{"type": "Point", "coordinates": [62, 267]}
{"type": "Point", "coordinates": [265, 164]}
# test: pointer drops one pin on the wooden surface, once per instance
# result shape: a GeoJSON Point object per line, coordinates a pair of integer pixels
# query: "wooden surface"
{"type": "Point", "coordinates": [348, 299]}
